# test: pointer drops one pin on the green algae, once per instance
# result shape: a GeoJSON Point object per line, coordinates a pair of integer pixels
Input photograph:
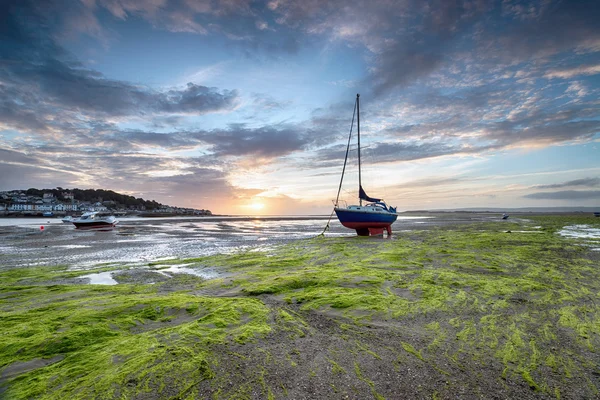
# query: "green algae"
{"type": "Point", "coordinates": [360, 375]}
{"type": "Point", "coordinates": [411, 350]}
{"type": "Point", "coordinates": [524, 304]}
{"type": "Point", "coordinates": [102, 324]}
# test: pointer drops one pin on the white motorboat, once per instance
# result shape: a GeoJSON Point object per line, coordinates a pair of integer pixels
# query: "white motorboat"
{"type": "Point", "coordinates": [96, 221]}
{"type": "Point", "coordinates": [68, 219]}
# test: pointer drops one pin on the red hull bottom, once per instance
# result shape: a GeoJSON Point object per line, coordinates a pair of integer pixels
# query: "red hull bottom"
{"type": "Point", "coordinates": [369, 228]}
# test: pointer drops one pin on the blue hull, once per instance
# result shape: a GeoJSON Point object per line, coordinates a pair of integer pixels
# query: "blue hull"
{"type": "Point", "coordinates": [364, 219]}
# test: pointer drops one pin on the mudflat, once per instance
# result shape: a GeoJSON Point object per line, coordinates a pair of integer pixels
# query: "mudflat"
{"type": "Point", "coordinates": [471, 308]}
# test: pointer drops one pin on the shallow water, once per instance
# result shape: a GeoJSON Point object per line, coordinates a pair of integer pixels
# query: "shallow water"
{"type": "Point", "coordinates": [137, 241]}
{"type": "Point", "coordinates": [141, 240]}
{"type": "Point", "coordinates": [101, 278]}
{"type": "Point", "coordinates": [591, 236]}
{"type": "Point", "coordinates": [580, 232]}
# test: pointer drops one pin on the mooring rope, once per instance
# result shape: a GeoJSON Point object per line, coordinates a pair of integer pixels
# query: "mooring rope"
{"type": "Point", "coordinates": [343, 171]}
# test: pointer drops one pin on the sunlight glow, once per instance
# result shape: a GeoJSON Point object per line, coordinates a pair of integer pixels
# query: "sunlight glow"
{"type": "Point", "coordinates": [256, 206]}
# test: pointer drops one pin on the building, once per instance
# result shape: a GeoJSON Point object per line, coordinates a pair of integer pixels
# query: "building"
{"type": "Point", "coordinates": [42, 207]}
{"type": "Point", "coordinates": [99, 207]}
{"type": "Point", "coordinates": [20, 207]}
{"type": "Point", "coordinates": [71, 207]}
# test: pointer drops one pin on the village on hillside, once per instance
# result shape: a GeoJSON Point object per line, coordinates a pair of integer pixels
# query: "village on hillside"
{"type": "Point", "coordinates": [59, 202]}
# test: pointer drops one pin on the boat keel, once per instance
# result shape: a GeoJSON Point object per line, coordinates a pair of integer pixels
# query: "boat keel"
{"type": "Point", "coordinates": [374, 231]}
{"type": "Point", "coordinates": [363, 232]}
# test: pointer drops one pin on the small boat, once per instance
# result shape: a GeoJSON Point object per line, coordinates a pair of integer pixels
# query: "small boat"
{"type": "Point", "coordinates": [67, 220]}
{"type": "Point", "coordinates": [375, 216]}
{"type": "Point", "coordinates": [597, 214]}
{"type": "Point", "coordinates": [93, 220]}
{"type": "Point", "coordinates": [505, 216]}
{"type": "Point", "coordinates": [48, 214]}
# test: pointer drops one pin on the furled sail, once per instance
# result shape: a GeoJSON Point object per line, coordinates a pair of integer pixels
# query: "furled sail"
{"type": "Point", "coordinates": [363, 195]}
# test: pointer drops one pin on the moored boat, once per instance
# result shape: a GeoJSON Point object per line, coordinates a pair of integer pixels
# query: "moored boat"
{"type": "Point", "coordinates": [375, 216]}
{"type": "Point", "coordinates": [505, 216]}
{"type": "Point", "coordinates": [93, 220]}
{"type": "Point", "coordinates": [67, 220]}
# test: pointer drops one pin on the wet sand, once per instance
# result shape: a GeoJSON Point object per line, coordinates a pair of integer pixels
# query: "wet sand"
{"type": "Point", "coordinates": [142, 240]}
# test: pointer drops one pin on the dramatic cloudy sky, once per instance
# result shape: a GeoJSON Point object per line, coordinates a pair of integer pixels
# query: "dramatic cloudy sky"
{"type": "Point", "coordinates": [235, 105]}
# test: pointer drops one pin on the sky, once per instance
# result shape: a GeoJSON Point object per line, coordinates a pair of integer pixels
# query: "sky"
{"type": "Point", "coordinates": [245, 107]}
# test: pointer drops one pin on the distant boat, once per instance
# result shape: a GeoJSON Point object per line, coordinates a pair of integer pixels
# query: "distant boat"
{"type": "Point", "coordinates": [505, 216]}
{"type": "Point", "coordinates": [373, 217]}
{"type": "Point", "coordinates": [48, 214]}
{"type": "Point", "coordinates": [597, 214]}
{"type": "Point", "coordinates": [93, 220]}
{"type": "Point", "coordinates": [67, 220]}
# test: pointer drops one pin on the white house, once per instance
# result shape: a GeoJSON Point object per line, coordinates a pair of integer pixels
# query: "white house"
{"type": "Point", "coordinates": [20, 207]}
{"type": "Point", "coordinates": [48, 197]}
{"type": "Point", "coordinates": [71, 207]}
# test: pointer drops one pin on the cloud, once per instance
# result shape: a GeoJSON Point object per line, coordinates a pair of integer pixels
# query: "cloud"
{"type": "Point", "coordinates": [264, 142]}
{"type": "Point", "coordinates": [430, 182]}
{"type": "Point", "coordinates": [38, 74]}
{"type": "Point", "coordinates": [568, 73]}
{"type": "Point", "coordinates": [537, 35]}
{"type": "Point", "coordinates": [565, 195]}
{"type": "Point", "coordinates": [21, 176]}
{"type": "Point", "coordinates": [390, 152]}
{"type": "Point", "coordinates": [405, 42]}
{"type": "Point", "coordinates": [14, 112]}
{"type": "Point", "coordinates": [589, 182]}
{"type": "Point", "coordinates": [195, 182]}
{"type": "Point", "coordinates": [394, 152]}
{"type": "Point", "coordinates": [16, 157]}
{"type": "Point", "coordinates": [266, 102]}
{"type": "Point", "coordinates": [519, 133]}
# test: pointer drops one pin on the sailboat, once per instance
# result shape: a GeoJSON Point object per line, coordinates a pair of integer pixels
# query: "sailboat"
{"type": "Point", "coordinates": [373, 217]}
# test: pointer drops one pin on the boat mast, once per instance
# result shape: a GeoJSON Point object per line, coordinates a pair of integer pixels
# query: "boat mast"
{"type": "Point", "coordinates": [358, 134]}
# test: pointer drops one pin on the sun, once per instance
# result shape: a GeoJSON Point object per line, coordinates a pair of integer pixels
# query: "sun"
{"type": "Point", "coordinates": [257, 206]}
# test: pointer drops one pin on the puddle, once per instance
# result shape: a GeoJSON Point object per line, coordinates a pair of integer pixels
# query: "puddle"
{"type": "Point", "coordinates": [206, 273]}
{"type": "Point", "coordinates": [590, 235]}
{"type": "Point", "coordinates": [101, 278]}
{"type": "Point", "coordinates": [580, 232]}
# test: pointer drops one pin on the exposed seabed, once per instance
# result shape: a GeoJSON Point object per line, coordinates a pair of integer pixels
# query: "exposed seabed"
{"type": "Point", "coordinates": [465, 309]}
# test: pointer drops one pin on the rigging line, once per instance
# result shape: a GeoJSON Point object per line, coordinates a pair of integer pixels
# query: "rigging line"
{"type": "Point", "coordinates": [343, 170]}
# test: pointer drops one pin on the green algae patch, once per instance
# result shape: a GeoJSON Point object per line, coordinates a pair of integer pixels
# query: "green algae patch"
{"type": "Point", "coordinates": [519, 311]}
{"type": "Point", "coordinates": [118, 341]}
